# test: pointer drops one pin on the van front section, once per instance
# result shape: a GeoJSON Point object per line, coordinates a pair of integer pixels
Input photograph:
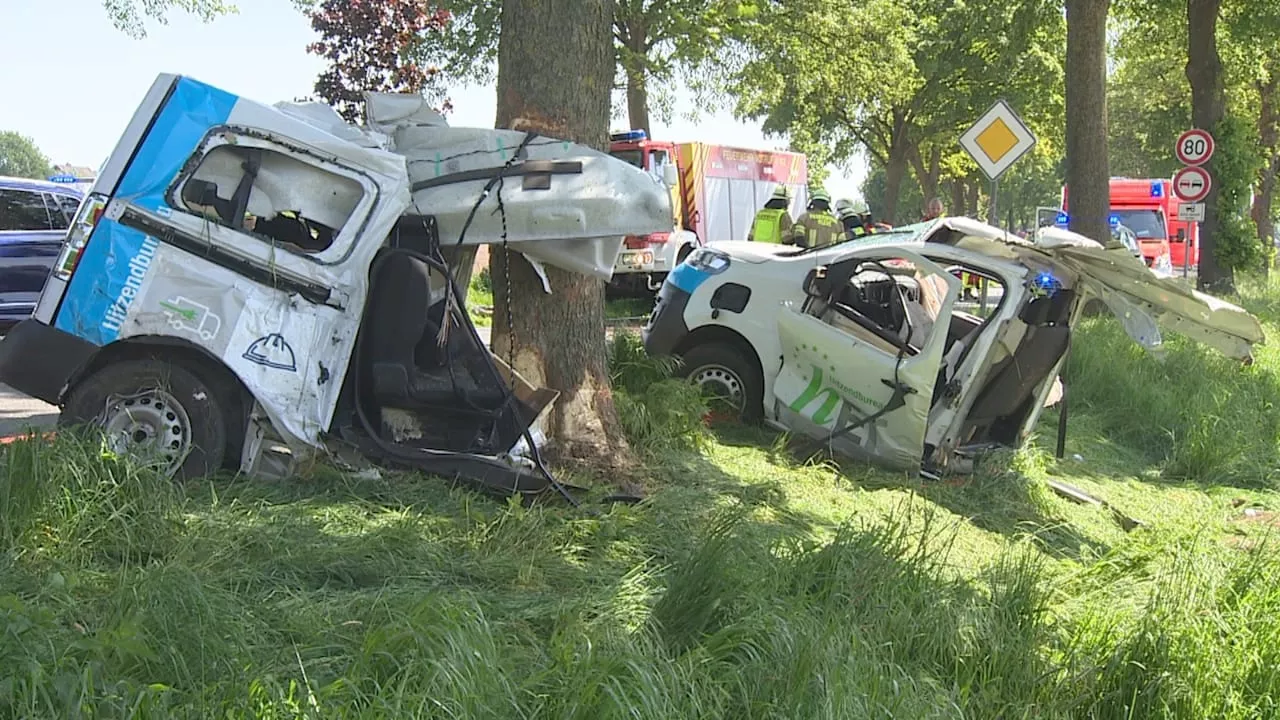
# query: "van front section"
{"type": "Point", "coordinates": [177, 258]}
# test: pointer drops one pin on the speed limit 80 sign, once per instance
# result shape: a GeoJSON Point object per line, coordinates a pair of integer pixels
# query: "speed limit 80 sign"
{"type": "Point", "coordinates": [1194, 147]}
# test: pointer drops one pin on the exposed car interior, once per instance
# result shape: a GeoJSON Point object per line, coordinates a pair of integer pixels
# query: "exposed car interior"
{"type": "Point", "coordinates": [890, 305]}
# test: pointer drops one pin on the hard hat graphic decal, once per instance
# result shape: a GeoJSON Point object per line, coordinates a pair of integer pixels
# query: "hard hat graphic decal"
{"type": "Point", "coordinates": [272, 351]}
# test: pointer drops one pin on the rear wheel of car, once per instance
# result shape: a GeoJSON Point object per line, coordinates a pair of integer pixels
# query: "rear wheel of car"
{"type": "Point", "coordinates": [159, 412]}
{"type": "Point", "coordinates": [728, 377]}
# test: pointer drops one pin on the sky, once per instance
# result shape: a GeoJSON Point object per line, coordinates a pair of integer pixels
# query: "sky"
{"type": "Point", "coordinates": [72, 81]}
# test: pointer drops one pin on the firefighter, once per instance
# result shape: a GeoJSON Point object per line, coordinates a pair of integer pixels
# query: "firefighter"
{"type": "Point", "coordinates": [817, 227]}
{"type": "Point", "coordinates": [773, 221]}
{"type": "Point", "coordinates": [855, 217]}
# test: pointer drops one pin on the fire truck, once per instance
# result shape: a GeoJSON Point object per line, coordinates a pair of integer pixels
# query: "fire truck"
{"type": "Point", "coordinates": [715, 196]}
{"type": "Point", "coordinates": [1149, 208]}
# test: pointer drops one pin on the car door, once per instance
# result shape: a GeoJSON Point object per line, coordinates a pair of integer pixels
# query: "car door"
{"type": "Point", "coordinates": [838, 369]}
{"type": "Point", "coordinates": [1146, 303]}
{"type": "Point", "coordinates": [30, 237]}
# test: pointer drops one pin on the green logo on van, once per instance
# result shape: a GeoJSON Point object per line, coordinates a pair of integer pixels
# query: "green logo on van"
{"type": "Point", "coordinates": [830, 396]}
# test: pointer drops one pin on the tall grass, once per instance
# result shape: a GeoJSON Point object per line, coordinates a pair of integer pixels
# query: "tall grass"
{"type": "Point", "coordinates": [1199, 416]}
{"type": "Point", "coordinates": [122, 595]}
{"type": "Point", "coordinates": [659, 413]}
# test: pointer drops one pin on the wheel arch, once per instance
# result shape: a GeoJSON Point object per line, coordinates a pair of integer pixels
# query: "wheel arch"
{"type": "Point", "coordinates": [709, 334]}
{"type": "Point", "coordinates": [207, 366]}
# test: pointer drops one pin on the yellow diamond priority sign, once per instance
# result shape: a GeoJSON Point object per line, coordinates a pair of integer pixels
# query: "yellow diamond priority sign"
{"type": "Point", "coordinates": [998, 139]}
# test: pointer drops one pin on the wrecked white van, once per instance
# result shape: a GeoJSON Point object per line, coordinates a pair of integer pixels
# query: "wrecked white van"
{"type": "Point", "coordinates": [865, 346]}
{"type": "Point", "coordinates": [223, 287]}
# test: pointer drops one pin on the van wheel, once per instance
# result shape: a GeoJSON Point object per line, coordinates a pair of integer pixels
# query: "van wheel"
{"type": "Point", "coordinates": [728, 377]}
{"type": "Point", "coordinates": [156, 411]}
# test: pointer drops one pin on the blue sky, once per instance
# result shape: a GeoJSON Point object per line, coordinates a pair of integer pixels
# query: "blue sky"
{"type": "Point", "coordinates": [71, 80]}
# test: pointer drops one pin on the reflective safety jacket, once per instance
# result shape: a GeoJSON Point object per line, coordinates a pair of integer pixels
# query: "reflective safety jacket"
{"type": "Point", "coordinates": [817, 228]}
{"type": "Point", "coordinates": [771, 225]}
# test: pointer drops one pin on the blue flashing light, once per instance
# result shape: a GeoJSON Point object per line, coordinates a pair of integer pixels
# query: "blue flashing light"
{"type": "Point", "coordinates": [1114, 221]}
{"type": "Point", "coordinates": [1062, 219]}
{"type": "Point", "coordinates": [64, 179]}
{"type": "Point", "coordinates": [1157, 189]}
{"type": "Point", "coordinates": [1045, 283]}
{"type": "Point", "coordinates": [629, 136]}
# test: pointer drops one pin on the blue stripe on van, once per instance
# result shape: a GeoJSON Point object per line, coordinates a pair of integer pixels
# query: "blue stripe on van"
{"type": "Point", "coordinates": [115, 262]}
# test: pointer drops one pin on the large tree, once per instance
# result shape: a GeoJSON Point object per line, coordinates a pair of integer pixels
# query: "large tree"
{"type": "Point", "coordinates": [1208, 109]}
{"type": "Point", "coordinates": [557, 339]}
{"type": "Point", "coordinates": [653, 40]}
{"type": "Point", "coordinates": [897, 79]}
{"type": "Point", "coordinates": [1088, 180]}
{"type": "Point", "coordinates": [130, 15]}
{"type": "Point", "coordinates": [19, 157]}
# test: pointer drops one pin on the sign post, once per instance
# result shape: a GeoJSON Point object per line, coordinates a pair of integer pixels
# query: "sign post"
{"type": "Point", "coordinates": [1191, 185]}
{"type": "Point", "coordinates": [996, 141]}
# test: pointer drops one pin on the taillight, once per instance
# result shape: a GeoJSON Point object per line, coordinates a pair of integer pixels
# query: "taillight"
{"type": "Point", "coordinates": [87, 218]}
{"type": "Point", "coordinates": [659, 238]}
{"type": "Point", "coordinates": [634, 242]}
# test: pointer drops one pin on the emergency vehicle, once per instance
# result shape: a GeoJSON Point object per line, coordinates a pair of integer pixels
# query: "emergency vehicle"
{"type": "Point", "coordinates": [716, 192]}
{"type": "Point", "coordinates": [1149, 208]}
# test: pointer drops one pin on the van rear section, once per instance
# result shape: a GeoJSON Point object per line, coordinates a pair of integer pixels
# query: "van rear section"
{"type": "Point", "coordinates": [75, 250]}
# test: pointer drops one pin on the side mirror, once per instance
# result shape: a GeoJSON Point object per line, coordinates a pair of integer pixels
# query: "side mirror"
{"type": "Point", "coordinates": [670, 175]}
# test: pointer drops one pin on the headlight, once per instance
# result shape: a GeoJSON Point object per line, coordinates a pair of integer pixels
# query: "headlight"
{"type": "Point", "coordinates": [709, 261]}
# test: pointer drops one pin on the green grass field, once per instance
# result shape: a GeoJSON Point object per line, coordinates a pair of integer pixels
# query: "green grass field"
{"type": "Point", "coordinates": [749, 585]}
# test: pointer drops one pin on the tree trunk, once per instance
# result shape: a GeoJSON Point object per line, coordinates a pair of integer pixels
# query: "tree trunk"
{"type": "Point", "coordinates": [973, 196]}
{"type": "Point", "coordinates": [1269, 141]}
{"type": "Point", "coordinates": [555, 74]}
{"type": "Point", "coordinates": [1208, 107]}
{"type": "Point", "coordinates": [927, 173]}
{"type": "Point", "coordinates": [957, 198]}
{"type": "Point", "coordinates": [1086, 75]}
{"type": "Point", "coordinates": [637, 87]}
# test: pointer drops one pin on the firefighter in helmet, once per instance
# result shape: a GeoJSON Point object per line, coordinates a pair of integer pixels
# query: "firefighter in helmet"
{"type": "Point", "coordinates": [817, 227]}
{"type": "Point", "coordinates": [773, 221]}
{"type": "Point", "coordinates": [855, 217]}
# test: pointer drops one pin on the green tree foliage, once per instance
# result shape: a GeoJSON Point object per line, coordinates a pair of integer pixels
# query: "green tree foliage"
{"type": "Point", "coordinates": [130, 16]}
{"type": "Point", "coordinates": [19, 157]}
{"type": "Point", "coordinates": [654, 40]}
{"type": "Point", "coordinates": [900, 80]}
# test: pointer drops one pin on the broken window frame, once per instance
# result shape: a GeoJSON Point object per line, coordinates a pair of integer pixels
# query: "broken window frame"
{"type": "Point", "coordinates": [345, 238]}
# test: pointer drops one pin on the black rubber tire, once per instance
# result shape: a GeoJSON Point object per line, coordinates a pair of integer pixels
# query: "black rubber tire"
{"type": "Point", "coordinates": [202, 402]}
{"type": "Point", "coordinates": [737, 361]}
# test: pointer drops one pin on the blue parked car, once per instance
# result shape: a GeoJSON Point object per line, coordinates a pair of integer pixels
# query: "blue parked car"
{"type": "Point", "coordinates": [34, 217]}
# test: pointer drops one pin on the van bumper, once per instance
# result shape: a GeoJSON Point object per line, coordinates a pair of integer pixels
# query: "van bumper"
{"type": "Point", "coordinates": [39, 360]}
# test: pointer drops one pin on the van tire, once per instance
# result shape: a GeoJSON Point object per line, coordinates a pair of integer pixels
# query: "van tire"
{"type": "Point", "coordinates": [731, 367]}
{"type": "Point", "coordinates": [154, 399]}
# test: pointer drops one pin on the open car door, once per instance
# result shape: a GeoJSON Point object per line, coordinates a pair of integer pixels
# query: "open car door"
{"type": "Point", "coordinates": [861, 357]}
{"type": "Point", "coordinates": [1145, 302]}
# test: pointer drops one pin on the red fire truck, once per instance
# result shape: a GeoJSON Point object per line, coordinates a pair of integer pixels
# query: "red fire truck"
{"type": "Point", "coordinates": [1149, 208]}
{"type": "Point", "coordinates": [718, 193]}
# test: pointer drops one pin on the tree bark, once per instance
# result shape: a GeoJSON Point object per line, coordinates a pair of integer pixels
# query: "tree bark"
{"type": "Point", "coordinates": [555, 74]}
{"type": "Point", "coordinates": [1086, 105]}
{"type": "Point", "coordinates": [1208, 107]}
{"type": "Point", "coordinates": [1269, 141]}
{"type": "Point", "coordinates": [973, 193]}
{"type": "Point", "coordinates": [927, 173]}
{"type": "Point", "coordinates": [896, 166]}
{"type": "Point", "coordinates": [957, 198]}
